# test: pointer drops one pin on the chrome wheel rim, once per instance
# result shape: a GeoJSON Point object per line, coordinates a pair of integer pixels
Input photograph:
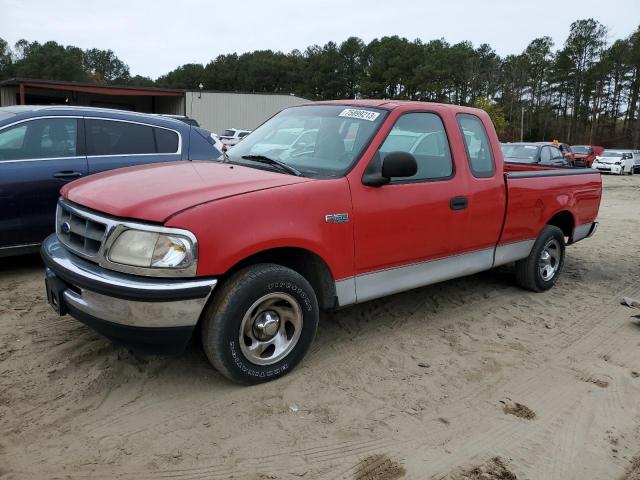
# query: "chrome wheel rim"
{"type": "Point", "coordinates": [270, 328]}
{"type": "Point", "coordinates": [550, 259]}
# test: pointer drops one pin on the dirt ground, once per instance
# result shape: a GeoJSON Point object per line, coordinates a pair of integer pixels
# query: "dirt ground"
{"type": "Point", "coordinates": [472, 378]}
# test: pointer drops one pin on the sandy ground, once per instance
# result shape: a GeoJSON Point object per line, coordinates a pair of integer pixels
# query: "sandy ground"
{"type": "Point", "coordinates": [473, 378]}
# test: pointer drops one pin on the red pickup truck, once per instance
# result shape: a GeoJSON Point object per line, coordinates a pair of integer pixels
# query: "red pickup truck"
{"type": "Point", "coordinates": [325, 205]}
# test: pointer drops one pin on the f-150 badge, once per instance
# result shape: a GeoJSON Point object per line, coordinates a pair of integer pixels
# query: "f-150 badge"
{"type": "Point", "coordinates": [336, 218]}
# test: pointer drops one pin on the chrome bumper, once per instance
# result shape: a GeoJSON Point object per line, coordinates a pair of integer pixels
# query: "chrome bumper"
{"type": "Point", "coordinates": [583, 231]}
{"type": "Point", "coordinates": [93, 294]}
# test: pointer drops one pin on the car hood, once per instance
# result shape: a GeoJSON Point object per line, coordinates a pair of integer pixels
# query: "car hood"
{"type": "Point", "coordinates": [156, 192]}
{"type": "Point", "coordinates": [609, 159]}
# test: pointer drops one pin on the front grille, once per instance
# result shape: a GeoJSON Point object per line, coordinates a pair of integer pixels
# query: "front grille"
{"type": "Point", "coordinates": [79, 233]}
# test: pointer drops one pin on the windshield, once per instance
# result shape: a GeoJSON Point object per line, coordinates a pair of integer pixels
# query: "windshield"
{"type": "Point", "coordinates": [228, 133]}
{"type": "Point", "coordinates": [580, 149]}
{"type": "Point", "coordinates": [612, 154]}
{"type": "Point", "coordinates": [322, 140]}
{"type": "Point", "coordinates": [520, 153]}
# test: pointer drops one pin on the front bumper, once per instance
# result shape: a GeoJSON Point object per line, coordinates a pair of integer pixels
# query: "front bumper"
{"type": "Point", "coordinates": [608, 167]}
{"type": "Point", "coordinates": [147, 313]}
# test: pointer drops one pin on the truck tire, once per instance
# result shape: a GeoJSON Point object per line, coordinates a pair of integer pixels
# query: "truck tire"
{"type": "Point", "coordinates": [541, 269]}
{"type": "Point", "coordinates": [260, 324]}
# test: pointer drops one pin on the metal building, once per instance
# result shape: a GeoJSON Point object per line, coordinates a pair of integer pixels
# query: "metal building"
{"type": "Point", "coordinates": [22, 91]}
{"type": "Point", "coordinates": [217, 111]}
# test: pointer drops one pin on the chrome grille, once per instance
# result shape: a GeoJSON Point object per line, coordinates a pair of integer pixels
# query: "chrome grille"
{"type": "Point", "coordinates": [79, 233]}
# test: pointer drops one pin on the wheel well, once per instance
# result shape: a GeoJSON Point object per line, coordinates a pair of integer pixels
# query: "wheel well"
{"type": "Point", "coordinates": [306, 263]}
{"type": "Point", "coordinates": [564, 221]}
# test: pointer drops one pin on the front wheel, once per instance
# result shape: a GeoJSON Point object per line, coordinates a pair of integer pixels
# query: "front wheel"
{"type": "Point", "coordinates": [541, 269]}
{"type": "Point", "coordinates": [260, 324]}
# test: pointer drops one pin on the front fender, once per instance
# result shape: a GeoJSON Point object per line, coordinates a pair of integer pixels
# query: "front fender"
{"type": "Point", "coordinates": [232, 229]}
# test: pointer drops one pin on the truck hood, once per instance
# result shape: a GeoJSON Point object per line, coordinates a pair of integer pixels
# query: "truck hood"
{"type": "Point", "coordinates": [156, 192]}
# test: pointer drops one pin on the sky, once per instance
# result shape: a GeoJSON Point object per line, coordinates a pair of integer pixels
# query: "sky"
{"type": "Point", "coordinates": [154, 37]}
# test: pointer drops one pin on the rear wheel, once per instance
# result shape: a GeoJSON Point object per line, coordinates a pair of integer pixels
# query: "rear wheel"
{"type": "Point", "coordinates": [541, 269]}
{"type": "Point", "coordinates": [260, 324]}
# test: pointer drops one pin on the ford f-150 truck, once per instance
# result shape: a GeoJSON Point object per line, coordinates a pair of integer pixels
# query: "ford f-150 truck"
{"type": "Point", "coordinates": [380, 197]}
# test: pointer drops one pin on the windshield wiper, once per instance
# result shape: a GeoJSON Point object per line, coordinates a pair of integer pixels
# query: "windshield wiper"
{"type": "Point", "coordinates": [274, 162]}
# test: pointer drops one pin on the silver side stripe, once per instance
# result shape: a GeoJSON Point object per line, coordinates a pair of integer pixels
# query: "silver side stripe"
{"type": "Point", "coordinates": [387, 282]}
{"type": "Point", "coordinates": [510, 252]}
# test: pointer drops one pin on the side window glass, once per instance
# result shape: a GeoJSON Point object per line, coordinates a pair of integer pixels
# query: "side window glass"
{"type": "Point", "coordinates": [58, 138]}
{"type": "Point", "coordinates": [106, 137]}
{"type": "Point", "coordinates": [545, 155]}
{"type": "Point", "coordinates": [477, 145]}
{"type": "Point", "coordinates": [166, 140]}
{"type": "Point", "coordinates": [42, 138]}
{"type": "Point", "coordinates": [423, 135]}
{"type": "Point", "coordinates": [12, 142]}
{"type": "Point", "coordinates": [557, 154]}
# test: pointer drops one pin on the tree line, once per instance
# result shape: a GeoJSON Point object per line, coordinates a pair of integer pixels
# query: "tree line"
{"type": "Point", "coordinates": [585, 91]}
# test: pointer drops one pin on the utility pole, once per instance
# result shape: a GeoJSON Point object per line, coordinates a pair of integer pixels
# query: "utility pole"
{"type": "Point", "coordinates": [522, 124]}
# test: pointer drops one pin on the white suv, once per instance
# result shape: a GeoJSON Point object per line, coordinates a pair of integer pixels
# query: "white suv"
{"type": "Point", "coordinates": [232, 136]}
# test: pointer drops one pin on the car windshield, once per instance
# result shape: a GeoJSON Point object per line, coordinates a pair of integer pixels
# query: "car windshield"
{"type": "Point", "coordinates": [520, 153]}
{"type": "Point", "coordinates": [611, 154]}
{"type": "Point", "coordinates": [581, 149]}
{"type": "Point", "coordinates": [228, 133]}
{"type": "Point", "coordinates": [322, 140]}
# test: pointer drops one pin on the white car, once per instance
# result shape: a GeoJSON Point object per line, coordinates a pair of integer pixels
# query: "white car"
{"type": "Point", "coordinates": [616, 161]}
{"type": "Point", "coordinates": [217, 142]}
{"type": "Point", "coordinates": [232, 136]}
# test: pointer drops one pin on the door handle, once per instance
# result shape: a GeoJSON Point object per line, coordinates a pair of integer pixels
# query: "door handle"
{"type": "Point", "coordinates": [459, 203]}
{"type": "Point", "coordinates": [67, 175]}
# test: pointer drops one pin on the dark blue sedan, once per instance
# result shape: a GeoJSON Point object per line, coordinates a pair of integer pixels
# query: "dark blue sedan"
{"type": "Point", "coordinates": [43, 147]}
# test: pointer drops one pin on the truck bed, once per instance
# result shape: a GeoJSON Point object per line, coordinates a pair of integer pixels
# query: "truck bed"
{"type": "Point", "coordinates": [536, 194]}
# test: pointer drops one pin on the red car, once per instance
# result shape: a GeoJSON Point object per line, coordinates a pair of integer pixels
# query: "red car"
{"type": "Point", "coordinates": [586, 154]}
{"type": "Point", "coordinates": [384, 197]}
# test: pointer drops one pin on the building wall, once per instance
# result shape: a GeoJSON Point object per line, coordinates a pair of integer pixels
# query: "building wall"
{"type": "Point", "coordinates": [8, 96]}
{"type": "Point", "coordinates": [217, 111]}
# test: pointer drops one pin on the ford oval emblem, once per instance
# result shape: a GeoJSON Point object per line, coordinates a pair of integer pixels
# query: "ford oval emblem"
{"type": "Point", "coordinates": [65, 227]}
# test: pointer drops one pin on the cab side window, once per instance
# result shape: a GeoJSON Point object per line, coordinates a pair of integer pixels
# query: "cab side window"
{"type": "Point", "coordinates": [42, 138]}
{"type": "Point", "coordinates": [423, 135]}
{"type": "Point", "coordinates": [477, 145]}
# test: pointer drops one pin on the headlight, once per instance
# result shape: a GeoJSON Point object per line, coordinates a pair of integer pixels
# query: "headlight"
{"type": "Point", "coordinates": [148, 249]}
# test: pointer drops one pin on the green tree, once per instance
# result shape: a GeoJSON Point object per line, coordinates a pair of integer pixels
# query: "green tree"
{"type": "Point", "coordinates": [105, 67]}
{"type": "Point", "coordinates": [6, 62]}
{"type": "Point", "coordinates": [494, 111]}
{"type": "Point", "coordinates": [50, 61]}
{"type": "Point", "coordinates": [187, 76]}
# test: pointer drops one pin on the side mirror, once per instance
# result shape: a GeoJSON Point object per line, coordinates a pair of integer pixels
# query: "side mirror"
{"type": "Point", "coordinates": [399, 164]}
{"type": "Point", "coordinates": [394, 164]}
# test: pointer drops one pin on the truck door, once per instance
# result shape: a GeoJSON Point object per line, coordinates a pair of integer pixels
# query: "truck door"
{"type": "Point", "coordinates": [409, 232]}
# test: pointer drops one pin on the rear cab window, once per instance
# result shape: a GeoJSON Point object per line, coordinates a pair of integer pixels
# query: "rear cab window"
{"type": "Point", "coordinates": [477, 145]}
